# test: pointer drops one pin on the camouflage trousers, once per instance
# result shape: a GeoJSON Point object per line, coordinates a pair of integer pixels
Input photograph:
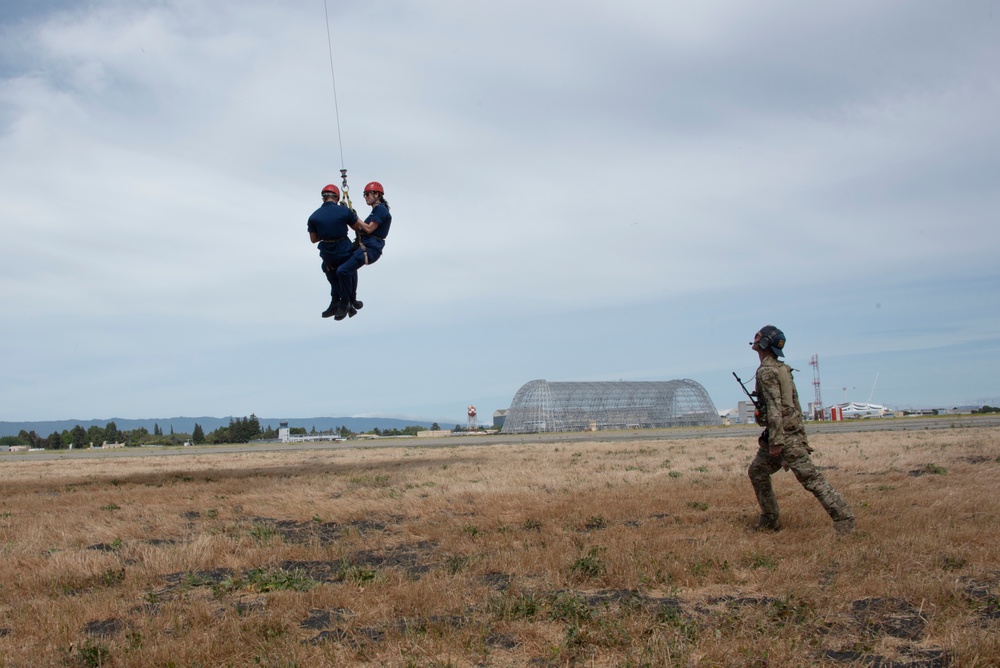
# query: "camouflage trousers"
{"type": "Point", "coordinates": [795, 455]}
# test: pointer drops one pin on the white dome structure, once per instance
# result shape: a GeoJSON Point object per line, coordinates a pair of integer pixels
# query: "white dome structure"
{"type": "Point", "coordinates": [541, 406]}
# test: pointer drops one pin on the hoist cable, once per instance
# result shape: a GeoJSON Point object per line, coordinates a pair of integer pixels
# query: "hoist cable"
{"type": "Point", "coordinates": [333, 78]}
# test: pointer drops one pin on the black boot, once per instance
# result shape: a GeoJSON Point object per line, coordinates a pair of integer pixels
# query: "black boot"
{"type": "Point", "coordinates": [341, 311]}
{"type": "Point", "coordinates": [357, 304]}
{"type": "Point", "coordinates": [331, 310]}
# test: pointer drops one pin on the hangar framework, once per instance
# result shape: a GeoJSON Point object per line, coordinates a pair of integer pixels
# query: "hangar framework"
{"type": "Point", "coordinates": [541, 406]}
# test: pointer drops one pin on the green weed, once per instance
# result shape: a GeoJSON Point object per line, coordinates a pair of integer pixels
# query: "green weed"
{"type": "Point", "coordinates": [532, 525]}
{"type": "Point", "coordinates": [93, 655]}
{"type": "Point", "coordinates": [568, 607]}
{"type": "Point", "coordinates": [278, 579]}
{"type": "Point", "coordinates": [762, 561]}
{"type": "Point", "coordinates": [509, 607]}
{"type": "Point", "coordinates": [263, 533]}
{"type": "Point", "coordinates": [590, 565]}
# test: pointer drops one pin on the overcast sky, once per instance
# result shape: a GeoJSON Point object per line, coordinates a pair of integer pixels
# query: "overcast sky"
{"type": "Point", "coordinates": [585, 191]}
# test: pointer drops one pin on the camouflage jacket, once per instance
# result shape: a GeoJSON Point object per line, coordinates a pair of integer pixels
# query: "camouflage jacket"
{"type": "Point", "coordinates": [779, 402]}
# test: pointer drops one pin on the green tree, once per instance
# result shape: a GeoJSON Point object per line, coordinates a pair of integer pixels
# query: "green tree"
{"type": "Point", "coordinates": [220, 435]}
{"type": "Point", "coordinates": [435, 427]}
{"type": "Point", "coordinates": [198, 434]}
{"type": "Point", "coordinates": [78, 436]}
{"type": "Point", "coordinates": [240, 430]}
{"type": "Point", "coordinates": [111, 433]}
{"type": "Point", "coordinates": [136, 436]}
{"type": "Point", "coordinates": [54, 441]}
{"type": "Point", "coordinates": [95, 435]}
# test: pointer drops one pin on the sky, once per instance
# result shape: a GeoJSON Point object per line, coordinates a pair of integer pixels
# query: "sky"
{"type": "Point", "coordinates": [588, 191]}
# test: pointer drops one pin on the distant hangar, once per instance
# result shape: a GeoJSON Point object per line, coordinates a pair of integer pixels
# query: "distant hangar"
{"type": "Point", "coordinates": [541, 406]}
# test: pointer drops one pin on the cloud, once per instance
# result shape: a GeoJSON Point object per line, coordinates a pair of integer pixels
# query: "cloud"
{"type": "Point", "coordinates": [574, 189]}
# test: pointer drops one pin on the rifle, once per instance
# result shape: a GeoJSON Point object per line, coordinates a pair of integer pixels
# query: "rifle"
{"type": "Point", "coordinates": [752, 398]}
{"type": "Point", "coordinates": [756, 412]}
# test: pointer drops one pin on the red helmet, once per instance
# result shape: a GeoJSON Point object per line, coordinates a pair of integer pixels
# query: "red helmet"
{"type": "Point", "coordinates": [374, 186]}
{"type": "Point", "coordinates": [330, 188]}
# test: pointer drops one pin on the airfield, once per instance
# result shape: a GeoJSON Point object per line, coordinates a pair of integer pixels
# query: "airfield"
{"type": "Point", "coordinates": [923, 423]}
{"type": "Point", "coordinates": [603, 548]}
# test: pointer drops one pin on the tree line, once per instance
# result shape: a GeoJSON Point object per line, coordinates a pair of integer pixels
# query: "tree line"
{"type": "Point", "coordinates": [78, 437]}
{"type": "Point", "coordinates": [239, 430]}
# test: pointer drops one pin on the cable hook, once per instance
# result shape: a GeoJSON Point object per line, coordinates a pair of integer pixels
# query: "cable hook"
{"type": "Point", "coordinates": [345, 189]}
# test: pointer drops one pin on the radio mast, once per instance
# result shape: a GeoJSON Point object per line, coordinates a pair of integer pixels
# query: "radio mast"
{"type": "Point", "coordinates": [818, 412]}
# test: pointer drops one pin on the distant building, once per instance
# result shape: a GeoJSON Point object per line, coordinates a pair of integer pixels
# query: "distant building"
{"type": "Point", "coordinates": [499, 416]}
{"type": "Point", "coordinates": [285, 436]}
{"type": "Point", "coordinates": [433, 433]}
{"type": "Point", "coordinates": [540, 406]}
{"type": "Point", "coordinates": [852, 409]}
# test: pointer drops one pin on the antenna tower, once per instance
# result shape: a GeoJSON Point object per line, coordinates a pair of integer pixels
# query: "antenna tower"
{"type": "Point", "coordinates": [818, 412]}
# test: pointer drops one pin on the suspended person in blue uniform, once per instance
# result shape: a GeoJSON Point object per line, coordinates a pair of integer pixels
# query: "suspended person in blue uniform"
{"type": "Point", "coordinates": [368, 246]}
{"type": "Point", "coordinates": [328, 227]}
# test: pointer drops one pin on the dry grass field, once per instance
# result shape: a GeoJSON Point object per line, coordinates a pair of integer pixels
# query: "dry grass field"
{"type": "Point", "coordinates": [624, 553]}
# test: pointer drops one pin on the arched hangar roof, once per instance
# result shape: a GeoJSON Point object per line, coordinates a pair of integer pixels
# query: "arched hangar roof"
{"type": "Point", "coordinates": [541, 406]}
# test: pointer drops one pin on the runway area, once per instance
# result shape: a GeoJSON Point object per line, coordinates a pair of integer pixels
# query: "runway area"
{"type": "Point", "coordinates": [674, 433]}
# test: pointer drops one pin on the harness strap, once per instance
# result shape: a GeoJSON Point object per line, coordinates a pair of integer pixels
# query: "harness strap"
{"type": "Point", "coordinates": [364, 250]}
{"type": "Point", "coordinates": [361, 245]}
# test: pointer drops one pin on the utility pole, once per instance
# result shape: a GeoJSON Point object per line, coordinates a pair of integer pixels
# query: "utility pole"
{"type": "Point", "coordinates": [818, 413]}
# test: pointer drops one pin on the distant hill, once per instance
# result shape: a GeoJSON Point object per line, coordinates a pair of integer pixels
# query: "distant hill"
{"type": "Point", "coordinates": [185, 425]}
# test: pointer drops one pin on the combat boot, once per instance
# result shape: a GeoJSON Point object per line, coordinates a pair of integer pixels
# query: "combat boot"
{"type": "Point", "coordinates": [844, 527]}
{"type": "Point", "coordinates": [767, 523]}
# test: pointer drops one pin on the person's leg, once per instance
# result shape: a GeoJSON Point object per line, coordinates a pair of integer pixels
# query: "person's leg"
{"type": "Point", "coordinates": [798, 460]}
{"type": "Point", "coordinates": [334, 260]}
{"type": "Point", "coordinates": [331, 277]}
{"type": "Point", "coordinates": [347, 276]}
{"type": "Point", "coordinates": [369, 255]}
{"type": "Point", "coordinates": [760, 471]}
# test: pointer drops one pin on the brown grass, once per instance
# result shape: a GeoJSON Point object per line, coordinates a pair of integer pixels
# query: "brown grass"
{"type": "Point", "coordinates": [622, 553]}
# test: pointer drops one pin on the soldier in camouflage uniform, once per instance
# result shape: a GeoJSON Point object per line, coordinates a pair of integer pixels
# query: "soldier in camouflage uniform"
{"type": "Point", "coordinates": [783, 442]}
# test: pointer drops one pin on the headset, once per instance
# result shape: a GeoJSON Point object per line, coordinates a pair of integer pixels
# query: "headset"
{"type": "Point", "coordinates": [771, 338]}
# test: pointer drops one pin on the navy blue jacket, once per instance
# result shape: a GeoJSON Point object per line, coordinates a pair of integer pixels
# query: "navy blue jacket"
{"type": "Point", "coordinates": [331, 221]}
{"type": "Point", "coordinates": [380, 214]}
